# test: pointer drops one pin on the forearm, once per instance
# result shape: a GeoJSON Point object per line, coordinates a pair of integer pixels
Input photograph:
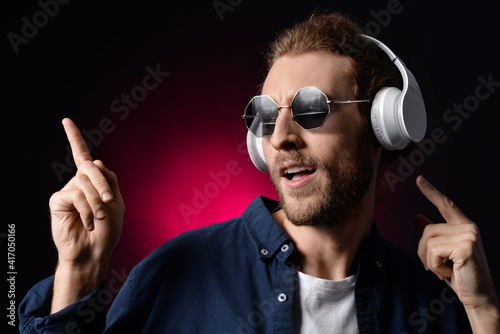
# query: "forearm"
{"type": "Point", "coordinates": [485, 320]}
{"type": "Point", "coordinates": [72, 284]}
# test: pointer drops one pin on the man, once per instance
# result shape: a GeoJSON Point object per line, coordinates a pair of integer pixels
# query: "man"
{"type": "Point", "coordinates": [312, 263]}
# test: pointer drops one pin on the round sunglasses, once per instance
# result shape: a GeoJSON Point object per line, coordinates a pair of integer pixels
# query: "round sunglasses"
{"type": "Point", "coordinates": [310, 108]}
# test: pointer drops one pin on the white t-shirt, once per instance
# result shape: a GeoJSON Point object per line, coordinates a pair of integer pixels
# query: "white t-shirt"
{"type": "Point", "coordinates": [324, 306]}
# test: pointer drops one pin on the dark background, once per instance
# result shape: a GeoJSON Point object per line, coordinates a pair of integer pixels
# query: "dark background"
{"type": "Point", "coordinates": [167, 148]}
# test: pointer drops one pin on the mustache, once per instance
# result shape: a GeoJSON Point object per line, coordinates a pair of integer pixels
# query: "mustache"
{"type": "Point", "coordinates": [282, 157]}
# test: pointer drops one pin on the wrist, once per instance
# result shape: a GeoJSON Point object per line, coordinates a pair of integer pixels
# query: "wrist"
{"type": "Point", "coordinates": [85, 277]}
{"type": "Point", "coordinates": [73, 281]}
{"type": "Point", "coordinates": [92, 268]}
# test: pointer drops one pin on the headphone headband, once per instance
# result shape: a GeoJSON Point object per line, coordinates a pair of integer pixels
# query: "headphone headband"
{"type": "Point", "coordinates": [410, 109]}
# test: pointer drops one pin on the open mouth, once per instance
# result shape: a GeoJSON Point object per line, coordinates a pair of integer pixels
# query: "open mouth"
{"type": "Point", "coordinates": [297, 172]}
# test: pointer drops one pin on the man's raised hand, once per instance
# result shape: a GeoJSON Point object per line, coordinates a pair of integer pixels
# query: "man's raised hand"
{"type": "Point", "coordinates": [454, 252]}
{"type": "Point", "coordinates": [87, 219]}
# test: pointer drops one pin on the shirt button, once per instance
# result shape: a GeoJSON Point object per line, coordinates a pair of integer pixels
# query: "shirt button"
{"type": "Point", "coordinates": [284, 248]}
{"type": "Point", "coordinates": [264, 251]}
{"type": "Point", "coordinates": [282, 298]}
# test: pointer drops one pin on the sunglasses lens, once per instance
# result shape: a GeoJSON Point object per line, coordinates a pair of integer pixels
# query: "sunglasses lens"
{"type": "Point", "coordinates": [310, 108]}
{"type": "Point", "coordinates": [261, 114]}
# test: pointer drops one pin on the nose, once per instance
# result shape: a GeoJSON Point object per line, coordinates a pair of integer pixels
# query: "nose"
{"type": "Point", "coordinates": [286, 133]}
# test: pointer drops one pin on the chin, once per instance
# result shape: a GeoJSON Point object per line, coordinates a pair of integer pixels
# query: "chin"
{"type": "Point", "coordinates": [308, 206]}
{"type": "Point", "coordinates": [325, 202]}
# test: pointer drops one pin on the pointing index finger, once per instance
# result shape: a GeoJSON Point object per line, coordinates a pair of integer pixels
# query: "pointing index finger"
{"type": "Point", "coordinates": [78, 146]}
{"type": "Point", "coordinates": [450, 212]}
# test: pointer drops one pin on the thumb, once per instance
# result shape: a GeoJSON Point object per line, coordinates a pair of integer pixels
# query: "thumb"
{"type": "Point", "coordinates": [109, 175]}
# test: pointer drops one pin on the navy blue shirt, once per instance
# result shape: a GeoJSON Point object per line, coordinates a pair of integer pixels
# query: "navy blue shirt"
{"type": "Point", "coordinates": [236, 277]}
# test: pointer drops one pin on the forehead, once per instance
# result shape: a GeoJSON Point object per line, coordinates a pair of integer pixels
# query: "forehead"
{"type": "Point", "coordinates": [329, 72]}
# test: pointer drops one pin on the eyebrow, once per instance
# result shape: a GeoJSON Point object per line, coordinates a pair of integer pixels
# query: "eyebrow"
{"type": "Point", "coordinates": [291, 95]}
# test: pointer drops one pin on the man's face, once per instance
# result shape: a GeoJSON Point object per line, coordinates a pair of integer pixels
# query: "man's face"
{"type": "Point", "coordinates": [321, 174]}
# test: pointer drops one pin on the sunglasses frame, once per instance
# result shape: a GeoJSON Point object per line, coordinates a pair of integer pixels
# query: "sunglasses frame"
{"type": "Point", "coordinates": [329, 102]}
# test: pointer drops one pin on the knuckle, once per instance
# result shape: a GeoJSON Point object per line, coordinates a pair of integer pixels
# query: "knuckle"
{"type": "Point", "coordinates": [101, 181]}
{"type": "Point", "coordinates": [77, 194]}
{"type": "Point", "coordinates": [429, 231]}
{"type": "Point", "coordinates": [472, 228]}
{"type": "Point", "coordinates": [433, 248]}
{"type": "Point", "coordinates": [426, 232]}
{"type": "Point", "coordinates": [101, 185]}
{"type": "Point", "coordinates": [469, 232]}
{"type": "Point", "coordinates": [53, 199]}
{"type": "Point", "coordinates": [421, 254]}
{"type": "Point", "coordinates": [432, 244]}
{"type": "Point", "coordinates": [471, 240]}
{"type": "Point", "coordinates": [448, 203]}
{"type": "Point", "coordinates": [471, 235]}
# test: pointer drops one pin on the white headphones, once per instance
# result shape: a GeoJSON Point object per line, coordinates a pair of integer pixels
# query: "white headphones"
{"type": "Point", "coordinates": [397, 116]}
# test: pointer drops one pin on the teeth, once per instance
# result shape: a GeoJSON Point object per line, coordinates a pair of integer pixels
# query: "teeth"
{"type": "Point", "coordinates": [296, 169]}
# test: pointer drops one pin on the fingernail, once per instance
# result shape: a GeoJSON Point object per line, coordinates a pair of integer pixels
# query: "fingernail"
{"type": "Point", "coordinates": [107, 196]}
{"type": "Point", "coordinates": [99, 214]}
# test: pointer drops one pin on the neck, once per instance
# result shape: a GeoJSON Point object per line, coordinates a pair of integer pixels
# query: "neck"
{"type": "Point", "coordinates": [327, 252]}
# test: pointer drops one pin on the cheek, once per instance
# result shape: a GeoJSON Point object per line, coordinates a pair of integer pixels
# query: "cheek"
{"type": "Point", "coordinates": [344, 117]}
{"type": "Point", "coordinates": [328, 143]}
{"type": "Point", "coordinates": [266, 145]}
{"type": "Point", "coordinates": [269, 152]}
{"type": "Point", "coordinates": [342, 128]}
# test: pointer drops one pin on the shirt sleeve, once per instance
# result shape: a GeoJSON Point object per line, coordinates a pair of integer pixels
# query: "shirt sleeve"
{"type": "Point", "coordinates": [85, 316]}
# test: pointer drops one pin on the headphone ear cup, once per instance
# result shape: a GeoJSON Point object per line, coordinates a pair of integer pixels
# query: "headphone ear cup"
{"type": "Point", "coordinates": [384, 117]}
{"type": "Point", "coordinates": [256, 152]}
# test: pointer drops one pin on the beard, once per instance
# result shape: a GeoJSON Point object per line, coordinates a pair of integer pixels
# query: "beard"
{"type": "Point", "coordinates": [329, 202]}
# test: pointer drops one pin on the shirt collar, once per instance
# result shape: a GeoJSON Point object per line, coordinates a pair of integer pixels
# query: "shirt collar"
{"type": "Point", "coordinates": [269, 236]}
{"type": "Point", "coordinates": [263, 228]}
